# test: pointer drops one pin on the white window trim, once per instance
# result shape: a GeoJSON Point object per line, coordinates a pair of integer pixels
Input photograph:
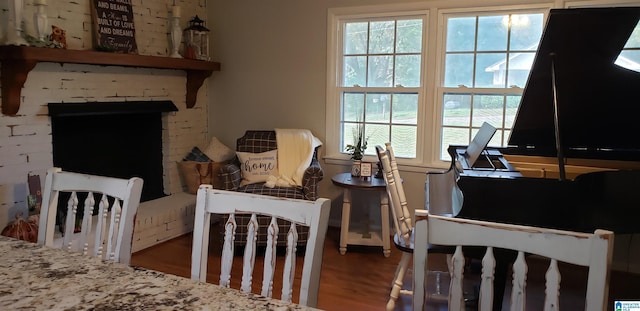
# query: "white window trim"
{"type": "Point", "coordinates": [441, 54]}
{"type": "Point", "coordinates": [334, 16]}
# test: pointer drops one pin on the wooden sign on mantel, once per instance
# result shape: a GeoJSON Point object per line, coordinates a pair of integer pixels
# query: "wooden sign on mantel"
{"type": "Point", "coordinates": [113, 25]}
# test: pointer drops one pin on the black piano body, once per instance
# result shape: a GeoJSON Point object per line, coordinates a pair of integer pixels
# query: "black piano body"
{"type": "Point", "coordinates": [608, 199]}
{"type": "Point", "coordinates": [598, 120]}
{"type": "Point", "coordinates": [577, 105]}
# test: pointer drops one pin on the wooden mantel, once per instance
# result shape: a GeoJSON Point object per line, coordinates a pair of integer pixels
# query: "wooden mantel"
{"type": "Point", "coordinates": [18, 61]}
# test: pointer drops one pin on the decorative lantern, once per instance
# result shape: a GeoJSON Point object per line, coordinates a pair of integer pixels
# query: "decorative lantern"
{"type": "Point", "coordinates": [197, 40]}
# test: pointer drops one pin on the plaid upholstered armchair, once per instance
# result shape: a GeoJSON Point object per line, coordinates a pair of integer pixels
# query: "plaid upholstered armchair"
{"type": "Point", "coordinates": [230, 175]}
{"type": "Point", "coordinates": [263, 141]}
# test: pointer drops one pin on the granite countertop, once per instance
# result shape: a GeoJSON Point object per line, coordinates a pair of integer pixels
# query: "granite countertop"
{"type": "Point", "coordinates": [33, 277]}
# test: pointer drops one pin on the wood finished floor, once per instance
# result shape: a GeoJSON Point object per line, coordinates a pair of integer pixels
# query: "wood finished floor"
{"type": "Point", "coordinates": [360, 279]}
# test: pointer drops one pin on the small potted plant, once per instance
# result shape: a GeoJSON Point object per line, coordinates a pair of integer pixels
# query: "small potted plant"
{"type": "Point", "coordinates": [357, 149]}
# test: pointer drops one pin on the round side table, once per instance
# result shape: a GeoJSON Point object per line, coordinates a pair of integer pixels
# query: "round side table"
{"type": "Point", "coordinates": [363, 236]}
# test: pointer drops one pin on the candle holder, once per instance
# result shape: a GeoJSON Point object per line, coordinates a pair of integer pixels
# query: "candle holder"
{"type": "Point", "coordinates": [176, 32]}
{"type": "Point", "coordinates": [15, 11]}
{"type": "Point", "coordinates": [40, 19]}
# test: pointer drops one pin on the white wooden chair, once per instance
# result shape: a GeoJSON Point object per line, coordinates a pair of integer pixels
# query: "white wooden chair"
{"type": "Point", "coordinates": [313, 214]}
{"type": "Point", "coordinates": [584, 249]}
{"type": "Point", "coordinates": [440, 197]}
{"type": "Point", "coordinates": [109, 233]}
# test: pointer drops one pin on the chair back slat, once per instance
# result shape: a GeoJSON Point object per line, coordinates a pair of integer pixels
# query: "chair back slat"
{"type": "Point", "coordinates": [519, 283]}
{"type": "Point", "coordinates": [395, 192]}
{"type": "Point", "coordinates": [486, 284]}
{"type": "Point", "coordinates": [87, 231]}
{"type": "Point", "coordinates": [114, 227]}
{"type": "Point", "coordinates": [249, 258]}
{"type": "Point", "coordinates": [591, 250]}
{"type": "Point", "coordinates": [83, 240]}
{"type": "Point", "coordinates": [456, 295]}
{"type": "Point", "coordinates": [70, 221]}
{"type": "Point", "coordinates": [227, 253]}
{"type": "Point", "coordinates": [311, 214]}
{"type": "Point", "coordinates": [101, 232]}
{"type": "Point", "coordinates": [288, 273]}
{"type": "Point", "coordinates": [404, 213]}
{"type": "Point", "coordinates": [270, 258]}
{"type": "Point", "coordinates": [552, 299]}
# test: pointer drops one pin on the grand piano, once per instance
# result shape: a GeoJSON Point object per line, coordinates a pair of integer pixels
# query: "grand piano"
{"type": "Point", "coordinates": [577, 104]}
{"type": "Point", "coordinates": [598, 119]}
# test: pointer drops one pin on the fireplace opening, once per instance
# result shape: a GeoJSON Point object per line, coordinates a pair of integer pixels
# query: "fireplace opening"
{"type": "Point", "coordinates": [116, 139]}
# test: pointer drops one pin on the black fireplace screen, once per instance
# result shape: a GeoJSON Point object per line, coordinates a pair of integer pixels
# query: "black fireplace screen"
{"type": "Point", "coordinates": [117, 139]}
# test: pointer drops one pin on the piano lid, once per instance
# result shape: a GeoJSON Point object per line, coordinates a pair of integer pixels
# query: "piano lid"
{"type": "Point", "coordinates": [598, 100]}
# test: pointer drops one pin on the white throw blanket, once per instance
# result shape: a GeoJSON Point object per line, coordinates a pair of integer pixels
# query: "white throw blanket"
{"type": "Point", "coordinates": [295, 151]}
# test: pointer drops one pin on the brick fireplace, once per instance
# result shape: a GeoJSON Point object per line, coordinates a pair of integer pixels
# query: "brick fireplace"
{"type": "Point", "coordinates": [26, 142]}
{"type": "Point", "coordinates": [117, 139]}
{"type": "Point", "coordinates": [26, 138]}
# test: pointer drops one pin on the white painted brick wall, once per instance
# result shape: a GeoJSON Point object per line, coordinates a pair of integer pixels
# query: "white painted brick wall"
{"type": "Point", "coordinates": [25, 139]}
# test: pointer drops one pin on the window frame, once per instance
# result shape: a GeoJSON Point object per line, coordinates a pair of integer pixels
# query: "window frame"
{"type": "Point", "coordinates": [337, 17]}
{"type": "Point", "coordinates": [440, 89]}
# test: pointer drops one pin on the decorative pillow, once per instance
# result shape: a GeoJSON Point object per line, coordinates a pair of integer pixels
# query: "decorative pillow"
{"type": "Point", "coordinates": [196, 155]}
{"type": "Point", "coordinates": [218, 152]}
{"type": "Point", "coordinates": [257, 167]}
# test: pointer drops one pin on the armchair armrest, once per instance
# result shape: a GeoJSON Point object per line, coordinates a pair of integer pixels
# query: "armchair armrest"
{"type": "Point", "coordinates": [230, 176]}
{"type": "Point", "coordinates": [311, 179]}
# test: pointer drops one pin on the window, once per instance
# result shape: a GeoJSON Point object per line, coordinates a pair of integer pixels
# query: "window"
{"type": "Point", "coordinates": [380, 80]}
{"type": "Point", "coordinates": [487, 59]}
{"type": "Point", "coordinates": [423, 85]}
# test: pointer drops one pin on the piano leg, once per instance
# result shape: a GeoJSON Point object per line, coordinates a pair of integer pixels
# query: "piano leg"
{"type": "Point", "coordinates": [504, 260]}
{"type": "Point", "coordinates": [499, 282]}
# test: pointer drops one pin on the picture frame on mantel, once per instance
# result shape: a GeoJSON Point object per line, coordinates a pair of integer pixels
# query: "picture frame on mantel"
{"type": "Point", "coordinates": [114, 29]}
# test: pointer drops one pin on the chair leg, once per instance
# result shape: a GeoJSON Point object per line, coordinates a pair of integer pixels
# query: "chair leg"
{"type": "Point", "coordinates": [395, 275]}
{"type": "Point", "coordinates": [396, 287]}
